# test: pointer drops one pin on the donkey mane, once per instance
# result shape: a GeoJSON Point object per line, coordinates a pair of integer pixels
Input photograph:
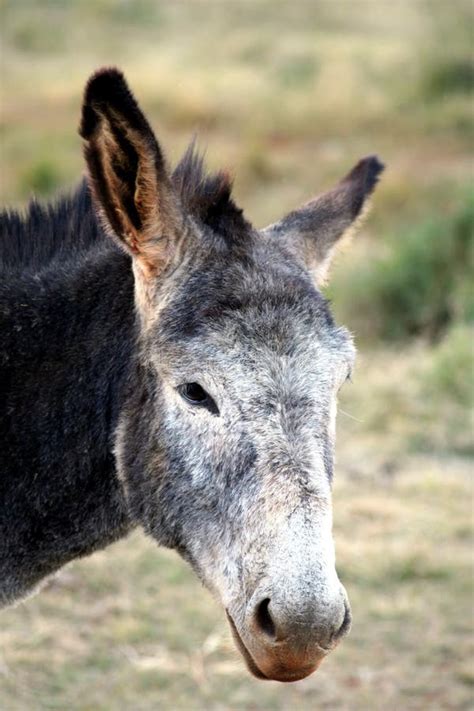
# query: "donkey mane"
{"type": "Point", "coordinates": [68, 226]}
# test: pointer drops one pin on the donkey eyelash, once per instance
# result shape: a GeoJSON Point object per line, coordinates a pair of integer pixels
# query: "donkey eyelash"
{"type": "Point", "coordinates": [346, 379]}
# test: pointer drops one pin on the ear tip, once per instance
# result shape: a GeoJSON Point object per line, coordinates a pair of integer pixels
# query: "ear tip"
{"type": "Point", "coordinates": [366, 173]}
{"type": "Point", "coordinates": [104, 82]}
{"type": "Point", "coordinates": [106, 85]}
{"type": "Point", "coordinates": [374, 168]}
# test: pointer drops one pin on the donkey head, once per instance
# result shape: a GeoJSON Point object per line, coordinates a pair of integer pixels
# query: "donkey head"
{"type": "Point", "coordinates": [225, 445]}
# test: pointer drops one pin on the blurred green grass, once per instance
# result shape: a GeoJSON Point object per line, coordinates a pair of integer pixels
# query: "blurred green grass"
{"type": "Point", "coordinates": [288, 95]}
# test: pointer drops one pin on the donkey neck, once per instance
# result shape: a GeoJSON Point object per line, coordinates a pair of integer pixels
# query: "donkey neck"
{"type": "Point", "coordinates": [68, 335]}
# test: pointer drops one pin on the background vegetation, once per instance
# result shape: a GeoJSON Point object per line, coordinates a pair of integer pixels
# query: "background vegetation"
{"type": "Point", "coordinates": [288, 95]}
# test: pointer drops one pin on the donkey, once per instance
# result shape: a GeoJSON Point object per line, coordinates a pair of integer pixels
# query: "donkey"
{"type": "Point", "coordinates": [164, 364]}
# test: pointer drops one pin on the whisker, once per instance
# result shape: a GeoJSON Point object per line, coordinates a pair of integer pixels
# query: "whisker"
{"type": "Point", "coordinates": [347, 414]}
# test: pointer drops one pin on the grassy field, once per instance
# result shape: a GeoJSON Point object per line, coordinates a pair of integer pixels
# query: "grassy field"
{"type": "Point", "coordinates": [288, 95]}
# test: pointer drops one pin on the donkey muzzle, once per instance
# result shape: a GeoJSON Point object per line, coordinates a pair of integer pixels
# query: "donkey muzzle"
{"type": "Point", "coordinates": [284, 637]}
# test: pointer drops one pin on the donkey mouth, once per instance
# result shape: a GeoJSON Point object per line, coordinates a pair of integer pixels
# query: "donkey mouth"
{"type": "Point", "coordinates": [251, 665]}
{"type": "Point", "coordinates": [280, 675]}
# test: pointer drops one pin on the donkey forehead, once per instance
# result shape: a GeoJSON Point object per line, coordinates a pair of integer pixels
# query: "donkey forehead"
{"type": "Point", "coordinates": [270, 321]}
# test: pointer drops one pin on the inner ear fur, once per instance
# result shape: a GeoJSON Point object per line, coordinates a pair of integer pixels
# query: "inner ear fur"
{"type": "Point", "coordinates": [314, 230]}
{"type": "Point", "coordinates": [127, 172]}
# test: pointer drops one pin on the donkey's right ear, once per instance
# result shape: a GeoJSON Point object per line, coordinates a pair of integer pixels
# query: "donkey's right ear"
{"type": "Point", "coordinates": [127, 174]}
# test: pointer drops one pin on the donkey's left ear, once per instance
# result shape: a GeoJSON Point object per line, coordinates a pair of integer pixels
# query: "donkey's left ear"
{"type": "Point", "coordinates": [314, 230]}
{"type": "Point", "coordinates": [127, 174]}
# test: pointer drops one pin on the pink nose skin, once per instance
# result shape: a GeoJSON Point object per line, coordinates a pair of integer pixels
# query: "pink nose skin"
{"type": "Point", "coordinates": [287, 642]}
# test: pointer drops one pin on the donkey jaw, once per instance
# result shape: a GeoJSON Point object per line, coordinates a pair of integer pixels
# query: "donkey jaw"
{"type": "Point", "coordinates": [275, 669]}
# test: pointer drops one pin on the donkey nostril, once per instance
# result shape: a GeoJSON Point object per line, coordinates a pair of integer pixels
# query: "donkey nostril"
{"type": "Point", "coordinates": [346, 623]}
{"type": "Point", "coordinates": [264, 619]}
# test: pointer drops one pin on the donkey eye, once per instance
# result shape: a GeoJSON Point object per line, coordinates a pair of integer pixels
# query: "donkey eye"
{"type": "Point", "coordinates": [193, 392]}
{"type": "Point", "coordinates": [196, 395]}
